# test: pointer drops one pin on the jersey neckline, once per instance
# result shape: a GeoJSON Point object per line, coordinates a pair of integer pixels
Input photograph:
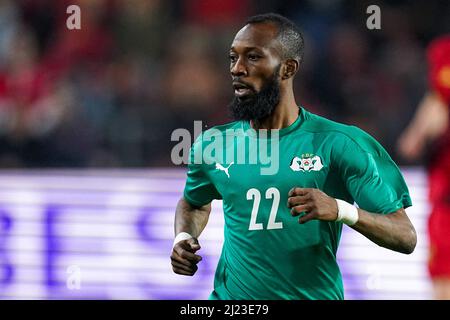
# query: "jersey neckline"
{"type": "Point", "coordinates": [283, 131]}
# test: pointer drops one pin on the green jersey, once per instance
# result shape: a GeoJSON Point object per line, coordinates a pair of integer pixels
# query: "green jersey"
{"type": "Point", "coordinates": [266, 253]}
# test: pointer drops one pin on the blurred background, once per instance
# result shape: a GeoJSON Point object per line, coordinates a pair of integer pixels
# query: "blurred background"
{"type": "Point", "coordinates": [110, 94]}
{"type": "Point", "coordinates": [108, 97]}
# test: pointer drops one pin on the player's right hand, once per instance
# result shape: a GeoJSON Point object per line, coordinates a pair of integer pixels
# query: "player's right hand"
{"type": "Point", "coordinates": [184, 259]}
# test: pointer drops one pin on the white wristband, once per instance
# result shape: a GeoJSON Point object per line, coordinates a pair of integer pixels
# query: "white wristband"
{"type": "Point", "coordinates": [347, 213]}
{"type": "Point", "coordinates": [180, 237]}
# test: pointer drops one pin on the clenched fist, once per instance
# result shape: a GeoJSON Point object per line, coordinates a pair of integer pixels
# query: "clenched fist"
{"type": "Point", "coordinates": [184, 259]}
{"type": "Point", "coordinates": [314, 202]}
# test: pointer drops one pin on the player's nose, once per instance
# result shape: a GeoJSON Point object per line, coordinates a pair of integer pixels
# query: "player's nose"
{"type": "Point", "coordinates": [239, 69]}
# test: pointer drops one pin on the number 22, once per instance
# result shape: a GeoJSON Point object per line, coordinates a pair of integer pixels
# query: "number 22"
{"type": "Point", "coordinates": [271, 193]}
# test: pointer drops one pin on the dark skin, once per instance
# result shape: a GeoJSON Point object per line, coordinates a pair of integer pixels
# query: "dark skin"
{"type": "Point", "coordinates": [254, 55]}
{"type": "Point", "coordinates": [393, 231]}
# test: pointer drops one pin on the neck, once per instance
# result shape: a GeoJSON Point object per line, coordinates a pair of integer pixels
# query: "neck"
{"type": "Point", "coordinates": [284, 115]}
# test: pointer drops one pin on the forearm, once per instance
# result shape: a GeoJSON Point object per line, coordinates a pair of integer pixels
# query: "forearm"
{"type": "Point", "coordinates": [392, 231]}
{"type": "Point", "coordinates": [431, 117]}
{"type": "Point", "coordinates": [191, 219]}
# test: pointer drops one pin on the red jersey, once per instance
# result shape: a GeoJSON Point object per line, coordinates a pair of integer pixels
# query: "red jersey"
{"type": "Point", "coordinates": [438, 55]}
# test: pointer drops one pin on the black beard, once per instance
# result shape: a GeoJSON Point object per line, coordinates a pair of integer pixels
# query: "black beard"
{"type": "Point", "coordinates": [259, 105]}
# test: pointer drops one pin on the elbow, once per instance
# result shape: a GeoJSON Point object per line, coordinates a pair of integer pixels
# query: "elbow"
{"type": "Point", "coordinates": [411, 241]}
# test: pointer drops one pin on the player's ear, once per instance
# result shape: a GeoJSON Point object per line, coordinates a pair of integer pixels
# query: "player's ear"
{"type": "Point", "coordinates": [290, 68]}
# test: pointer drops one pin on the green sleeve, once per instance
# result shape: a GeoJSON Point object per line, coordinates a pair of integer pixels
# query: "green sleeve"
{"type": "Point", "coordinates": [371, 177]}
{"type": "Point", "coordinates": [199, 190]}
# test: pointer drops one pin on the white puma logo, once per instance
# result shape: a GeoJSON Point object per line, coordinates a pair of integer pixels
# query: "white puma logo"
{"type": "Point", "coordinates": [220, 167]}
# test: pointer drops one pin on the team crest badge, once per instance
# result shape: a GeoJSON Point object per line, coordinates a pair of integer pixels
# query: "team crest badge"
{"type": "Point", "coordinates": [307, 162]}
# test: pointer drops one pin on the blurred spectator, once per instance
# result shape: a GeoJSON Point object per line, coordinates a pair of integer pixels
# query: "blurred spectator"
{"type": "Point", "coordinates": [429, 134]}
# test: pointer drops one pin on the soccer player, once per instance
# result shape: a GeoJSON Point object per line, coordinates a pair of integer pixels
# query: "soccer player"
{"type": "Point", "coordinates": [282, 229]}
{"type": "Point", "coordinates": [429, 133]}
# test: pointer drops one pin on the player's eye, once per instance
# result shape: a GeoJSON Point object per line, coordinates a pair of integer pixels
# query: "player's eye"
{"type": "Point", "coordinates": [253, 57]}
{"type": "Point", "coordinates": [232, 58]}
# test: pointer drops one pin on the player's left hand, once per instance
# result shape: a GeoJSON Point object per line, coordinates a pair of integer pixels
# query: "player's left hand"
{"type": "Point", "coordinates": [314, 202]}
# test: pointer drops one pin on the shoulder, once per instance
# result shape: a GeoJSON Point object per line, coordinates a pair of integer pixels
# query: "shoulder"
{"type": "Point", "coordinates": [344, 136]}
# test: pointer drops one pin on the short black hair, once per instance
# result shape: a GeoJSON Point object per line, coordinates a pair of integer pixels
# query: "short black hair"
{"type": "Point", "coordinates": [289, 34]}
